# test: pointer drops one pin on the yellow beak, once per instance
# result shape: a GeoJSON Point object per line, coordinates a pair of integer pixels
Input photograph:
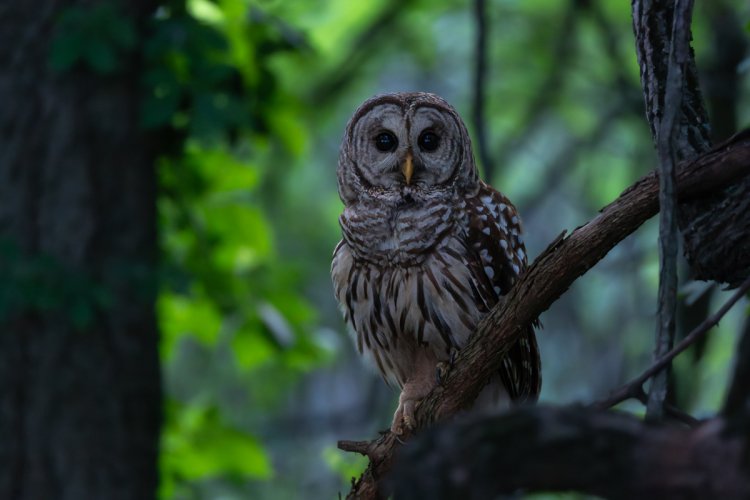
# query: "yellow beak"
{"type": "Point", "coordinates": [408, 168]}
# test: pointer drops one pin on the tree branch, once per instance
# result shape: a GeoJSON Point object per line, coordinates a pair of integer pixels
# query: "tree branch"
{"type": "Point", "coordinates": [608, 454]}
{"type": "Point", "coordinates": [723, 218]}
{"type": "Point", "coordinates": [653, 26]}
{"type": "Point", "coordinates": [635, 387]}
{"type": "Point", "coordinates": [549, 276]}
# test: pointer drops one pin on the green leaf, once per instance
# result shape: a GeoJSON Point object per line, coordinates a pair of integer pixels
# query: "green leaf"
{"type": "Point", "coordinates": [162, 98]}
{"type": "Point", "coordinates": [101, 58]}
{"type": "Point", "coordinates": [250, 348]}
{"type": "Point", "coordinates": [66, 51]}
{"type": "Point", "coordinates": [97, 35]}
{"type": "Point", "coordinates": [122, 33]}
{"type": "Point", "coordinates": [182, 315]}
{"type": "Point", "coordinates": [197, 444]}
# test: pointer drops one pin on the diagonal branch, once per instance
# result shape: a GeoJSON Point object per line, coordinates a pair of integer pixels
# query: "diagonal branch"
{"type": "Point", "coordinates": [634, 388]}
{"type": "Point", "coordinates": [549, 277]}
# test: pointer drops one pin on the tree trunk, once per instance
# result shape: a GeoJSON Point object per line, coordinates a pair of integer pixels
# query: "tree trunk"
{"type": "Point", "coordinates": [79, 373]}
{"type": "Point", "coordinates": [722, 218]}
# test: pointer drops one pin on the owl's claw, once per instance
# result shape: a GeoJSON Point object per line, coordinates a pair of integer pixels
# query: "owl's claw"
{"type": "Point", "coordinates": [403, 419]}
{"type": "Point", "coordinates": [398, 427]}
{"type": "Point", "coordinates": [441, 370]}
{"type": "Point", "coordinates": [419, 385]}
{"type": "Point", "coordinates": [411, 395]}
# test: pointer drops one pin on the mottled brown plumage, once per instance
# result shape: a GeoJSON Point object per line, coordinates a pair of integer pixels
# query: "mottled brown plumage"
{"type": "Point", "coordinates": [428, 248]}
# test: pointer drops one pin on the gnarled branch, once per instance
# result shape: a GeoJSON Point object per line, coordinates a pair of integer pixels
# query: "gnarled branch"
{"type": "Point", "coordinates": [609, 454]}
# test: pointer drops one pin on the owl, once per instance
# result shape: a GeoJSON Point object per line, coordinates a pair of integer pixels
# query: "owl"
{"type": "Point", "coordinates": [427, 250]}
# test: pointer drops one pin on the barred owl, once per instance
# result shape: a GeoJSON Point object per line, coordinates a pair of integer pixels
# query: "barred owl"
{"type": "Point", "coordinates": [427, 250]}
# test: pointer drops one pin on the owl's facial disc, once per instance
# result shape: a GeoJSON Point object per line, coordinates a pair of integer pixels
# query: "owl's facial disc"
{"type": "Point", "coordinates": [405, 147]}
{"type": "Point", "coordinates": [435, 140]}
{"type": "Point", "coordinates": [379, 143]}
{"type": "Point", "coordinates": [402, 150]}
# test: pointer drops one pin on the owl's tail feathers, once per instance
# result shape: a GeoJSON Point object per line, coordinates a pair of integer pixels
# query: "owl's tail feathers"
{"type": "Point", "coordinates": [521, 373]}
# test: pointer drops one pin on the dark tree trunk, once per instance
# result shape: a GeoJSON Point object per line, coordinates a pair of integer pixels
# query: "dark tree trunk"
{"type": "Point", "coordinates": [722, 218]}
{"type": "Point", "coordinates": [79, 373]}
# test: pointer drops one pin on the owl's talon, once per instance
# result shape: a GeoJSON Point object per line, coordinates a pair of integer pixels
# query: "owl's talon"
{"type": "Point", "coordinates": [441, 370]}
{"type": "Point", "coordinates": [409, 422]}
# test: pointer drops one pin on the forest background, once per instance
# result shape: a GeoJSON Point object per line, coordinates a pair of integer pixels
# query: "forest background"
{"type": "Point", "coordinates": [243, 105]}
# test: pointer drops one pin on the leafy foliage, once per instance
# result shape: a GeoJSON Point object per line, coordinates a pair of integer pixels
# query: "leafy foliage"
{"type": "Point", "coordinates": [95, 37]}
{"type": "Point", "coordinates": [227, 291]}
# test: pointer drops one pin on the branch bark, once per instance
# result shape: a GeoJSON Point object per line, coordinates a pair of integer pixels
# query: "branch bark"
{"type": "Point", "coordinates": [80, 390]}
{"type": "Point", "coordinates": [667, 137]}
{"type": "Point", "coordinates": [609, 454]}
{"type": "Point", "coordinates": [549, 276]}
{"type": "Point", "coordinates": [724, 217]}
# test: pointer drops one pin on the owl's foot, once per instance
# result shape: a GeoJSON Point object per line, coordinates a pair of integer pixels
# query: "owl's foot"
{"type": "Point", "coordinates": [442, 368]}
{"type": "Point", "coordinates": [421, 383]}
{"type": "Point", "coordinates": [411, 395]}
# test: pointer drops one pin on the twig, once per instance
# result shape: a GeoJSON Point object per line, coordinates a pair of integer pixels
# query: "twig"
{"type": "Point", "coordinates": [677, 414]}
{"type": "Point", "coordinates": [361, 447]}
{"type": "Point", "coordinates": [631, 389]}
{"type": "Point", "coordinates": [480, 75]}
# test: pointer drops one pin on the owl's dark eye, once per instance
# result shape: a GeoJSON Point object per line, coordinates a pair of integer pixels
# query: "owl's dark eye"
{"type": "Point", "coordinates": [386, 141]}
{"type": "Point", "coordinates": [429, 141]}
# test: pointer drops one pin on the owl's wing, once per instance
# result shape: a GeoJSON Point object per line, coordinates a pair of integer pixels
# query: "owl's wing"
{"type": "Point", "coordinates": [495, 237]}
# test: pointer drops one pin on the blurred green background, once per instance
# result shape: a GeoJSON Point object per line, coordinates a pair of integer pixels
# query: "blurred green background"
{"type": "Point", "coordinates": [249, 100]}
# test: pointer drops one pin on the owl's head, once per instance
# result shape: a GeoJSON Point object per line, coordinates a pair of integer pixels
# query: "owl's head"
{"type": "Point", "coordinates": [401, 145]}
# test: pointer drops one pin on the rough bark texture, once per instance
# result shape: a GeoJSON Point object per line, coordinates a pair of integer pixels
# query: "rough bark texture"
{"type": "Point", "coordinates": [546, 279]}
{"type": "Point", "coordinates": [79, 375]}
{"type": "Point", "coordinates": [669, 140]}
{"type": "Point", "coordinates": [723, 218]}
{"type": "Point", "coordinates": [556, 449]}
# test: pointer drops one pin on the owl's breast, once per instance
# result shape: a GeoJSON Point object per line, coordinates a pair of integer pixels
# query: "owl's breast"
{"type": "Point", "coordinates": [394, 310]}
{"type": "Point", "coordinates": [401, 235]}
